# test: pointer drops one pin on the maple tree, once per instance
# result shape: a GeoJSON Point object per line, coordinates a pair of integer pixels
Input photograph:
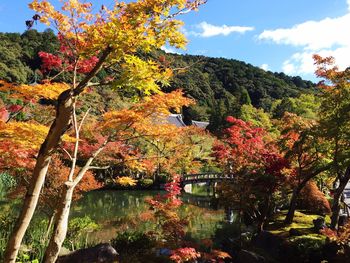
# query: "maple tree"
{"type": "Point", "coordinates": [302, 147]}
{"type": "Point", "coordinates": [115, 132]}
{"type": "Point", "coordinates": [114, 36]}
{"type": "Point", "coordinates": [249, 156]}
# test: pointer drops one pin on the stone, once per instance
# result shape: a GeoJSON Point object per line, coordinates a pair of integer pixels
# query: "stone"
{"type": "Point", "coordinates": [64, 251]}
{"type": "Point", "coordinates": [319, 224]}
{"type": "Point", "coordinates": [102, 253]}
{"type": "Point", "coordinates": [295, 232]}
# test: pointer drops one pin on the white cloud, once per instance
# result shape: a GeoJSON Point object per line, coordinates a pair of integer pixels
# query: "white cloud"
{"type": "Point", "coordinates": [209, 30]}
{"type": "Point", "coordinates": [326, 37]}
{"type": "Point", "coordinates": [313, 35]}
{"type": "Point", "coordinates": [265, 67]}
{"type": "Point", "coordinates": [170, 50]}
{"type": "Point", "coordinates": [303, 63]}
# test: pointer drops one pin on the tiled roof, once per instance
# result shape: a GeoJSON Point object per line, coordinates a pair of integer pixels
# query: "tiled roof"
{"type": "Point", "coordinates": [200, 124]}
{"type": "Point", "coordinates": [176, 119]}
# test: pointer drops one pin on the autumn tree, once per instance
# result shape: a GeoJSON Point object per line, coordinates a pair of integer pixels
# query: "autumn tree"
{"type": "Point", "coordinates": [303, 149]}
{"type": "Point", "coordinates": [114, 36]}
{"type": "Point", "coordinates": [118, 130]}
{"type": "Point", "coordinates": [248, 155]}
{"type": "Point", "coordinates": [334, 124]}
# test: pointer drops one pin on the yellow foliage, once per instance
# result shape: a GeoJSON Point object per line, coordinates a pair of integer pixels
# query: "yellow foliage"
{"type": "Point", "coordinates": [125, 26]}
{"type": "Point", "coordinates": [123, 30]}
{"type": "Point", "coordinates": [143, 75]}
{"type": "Point", "coordinates": [125, 181]}
{"type": "Point", "coordinates": [27, 135]}
{"type": "Point", "coordinates": [35, 92]}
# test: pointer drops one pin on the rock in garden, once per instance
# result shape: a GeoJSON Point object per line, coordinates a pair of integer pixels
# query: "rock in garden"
{"type": "Point", "coordinates": [102, 253]}
{"type": "Point", "coordinates": [295, 232]}
{"type": "Point", "coordinates": [319, 224]}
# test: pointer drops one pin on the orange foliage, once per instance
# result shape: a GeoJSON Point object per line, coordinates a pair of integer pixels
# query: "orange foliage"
{"type": "Point", "coordinates": [34, 92]}
{"type": "Point", "coordinates": [185, 254]}
{"type": "Point", "coordinates": [312, 199]}
{"type": "Point", "coordinates": [52, 191]}
{"type": "Point", "coordinates": [143, 116]}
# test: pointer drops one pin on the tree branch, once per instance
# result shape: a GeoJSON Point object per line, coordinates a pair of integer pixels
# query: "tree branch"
{"type": "Point", "coordinates": [81, 86]}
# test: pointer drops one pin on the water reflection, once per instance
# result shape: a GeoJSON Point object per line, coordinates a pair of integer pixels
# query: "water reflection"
{"type": "Point", "coordinates": [127, 210]}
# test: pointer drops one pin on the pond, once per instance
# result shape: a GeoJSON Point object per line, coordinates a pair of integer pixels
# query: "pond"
{"type": "Point", "coordinates": [120, 211]}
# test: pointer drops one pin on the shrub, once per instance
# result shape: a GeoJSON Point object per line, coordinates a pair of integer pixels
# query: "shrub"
{"type": "Point", "coordinates": [133, 244]}
{"type": "Point", "coordinates": [146, 183]}
{"type": "Point", "coordinates": [306, 248]}
{"type": "Point", "coordinates": [78, 229]}
{"type": "Point", "coordinates": [313, 200]}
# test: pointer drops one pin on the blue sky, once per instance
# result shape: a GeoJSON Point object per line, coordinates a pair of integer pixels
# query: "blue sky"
{"type": "Point", "coordinates": [272, 34]}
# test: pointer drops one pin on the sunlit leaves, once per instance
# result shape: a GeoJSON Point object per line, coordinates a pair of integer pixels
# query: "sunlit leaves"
{"type": "Point", "coordinates": [143, 75]}
{"type": "Point", "coordinates": [125, 27]}
{"type": "Point", "coordinates": [144, 115]}
{"type": "Point", "coordinates": [125, 181]}
{"type": "Point", "coordinates": [25, 134]}
{"type": "Point", "coordinates": [34, 92]}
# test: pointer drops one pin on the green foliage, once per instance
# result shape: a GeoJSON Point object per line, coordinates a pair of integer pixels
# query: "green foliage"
{"type": "Point", "coordinates": [145, 183]}
{"type": "Point", "coordinates": [133, 246]}
{"type": "Point", "coordinates": [6, 183]}
{"type": "Point", "coordinates": [11, 67]}
{"type": "Point", "coordinates": [221, 85]}
{"type": "Point", "coordinates": [258, 117]}
{"type": "Point", "coordinates": [132, 241]}
{"type": "Point", "coordinates": [306, 105]}
{"type": "Point", "coordinates": [306, 248]}
{"type": "Point", "coordinates": [19, 54]}
{"type": "Point", "coordinates": [78, 231]}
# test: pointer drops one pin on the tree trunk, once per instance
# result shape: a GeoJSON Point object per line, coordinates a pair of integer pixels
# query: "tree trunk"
{"type": "Point", "coordinates": [52, 218]}
{"type": "Point", "coordinates": [57, 129]}
{"type": "Point", "coordinates": [293, 202]}
{"type": "Point", "coordinates": [61, 123]}
{"type": "Point", "coordinates": [293, 205]}
{"type": "Point", "coordinates": [337, 198]}
{"type": "Point", "coordinates": [264, 214]}
{"type": "Point", "coordinates": [61, 226]}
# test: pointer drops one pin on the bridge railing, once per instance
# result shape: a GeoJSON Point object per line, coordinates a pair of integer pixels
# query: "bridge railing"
{"type": "Point", "coordinates": [205, 176]}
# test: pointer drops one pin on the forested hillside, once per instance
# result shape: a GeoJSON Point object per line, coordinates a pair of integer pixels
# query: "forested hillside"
{"type": "Point", "coordinates": [220, 86]}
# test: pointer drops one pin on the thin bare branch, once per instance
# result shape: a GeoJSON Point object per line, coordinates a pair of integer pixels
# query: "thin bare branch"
{"type": "Point", "coordinates": [66, 152]}
{"type": "Point", "coordinates": [83, 119]}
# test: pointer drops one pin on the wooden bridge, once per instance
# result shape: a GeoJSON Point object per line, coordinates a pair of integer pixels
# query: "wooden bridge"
{"type": "Point", "coordinates": [204, 178]}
